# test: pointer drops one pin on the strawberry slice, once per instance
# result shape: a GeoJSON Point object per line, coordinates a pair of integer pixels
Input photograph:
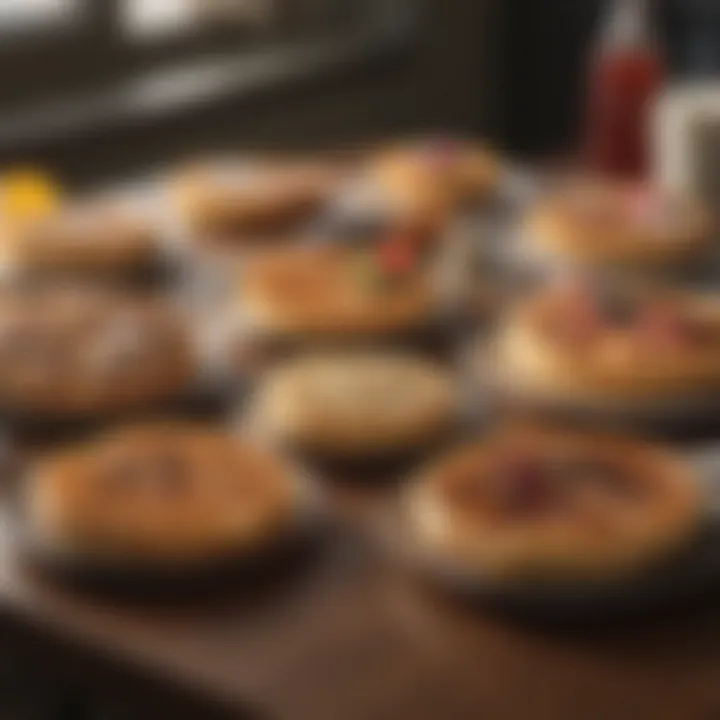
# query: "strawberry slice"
{"type": "Point", "coordinates": [525, 483]}
{"type": "Point", "coordinates": [397, 256]}
{"type": "Point", "coordinates": [581, 317]}
{"type": "Point", "coordinates": [644, 205]}
{"type": "Point", "coordinates": [663, 325]}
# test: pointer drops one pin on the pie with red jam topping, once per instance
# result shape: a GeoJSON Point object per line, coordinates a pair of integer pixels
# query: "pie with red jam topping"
{"type": "Point", "coordinates": [161, 492]}
{"type": "Point", "coordinates": [596, 223]}
{"type": "Point", "coordinates": [330, 291]}
{"type": "Point", "coordinates": [537, 505]}
{"type": "Point", "coordinates": [581, 348]}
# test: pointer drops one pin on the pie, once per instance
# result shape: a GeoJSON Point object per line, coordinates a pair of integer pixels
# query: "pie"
{"type": "Point", "coordinates": [245, 198]}
{"type": "Point", "coordinates": [335, 292]}
{"type": "Point", "coordinates": [357, 403]}
{"type": "Point", "coordinates": [424, 181]}
{"type": "Point", "coordinates": [165, 493]}
{"type": "Point", "coordinates": [593, 223]}
{"type": "Point", "coordinates": [85, 236]}
{"type": "Point", "coordinates": [579, 346]}
{"type": "Point", "coordinates": [545, 506]}
{"type": "Point", "coordinates": [68, 351]}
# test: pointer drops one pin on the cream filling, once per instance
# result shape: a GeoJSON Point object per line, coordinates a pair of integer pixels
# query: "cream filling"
{"type": "Point", "coordinates": [357, 402]}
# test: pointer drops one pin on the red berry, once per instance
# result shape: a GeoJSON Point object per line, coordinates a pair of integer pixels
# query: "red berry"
{"type": "Point", "coordinates": [525, 483]}
{"type": "Point", "coordinates": [443, 152]}
{"type": "Point", "coordinates": [666, 326]}
{"type": "Point", "coordinates": [644, 205]}
{"type": "Point", "coordinates": [397, 256]}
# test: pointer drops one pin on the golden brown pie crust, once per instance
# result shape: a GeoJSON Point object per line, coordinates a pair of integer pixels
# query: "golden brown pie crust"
{"type": "Point", "coordinates": [588, 527]}
{"type": "Point", "coordinates": [102, 236]}
{"type": "Point", "coordinates": [588, 225]}
{"type": "Point", "coordinates": [425, 191]}
{"type": "Point", "coordinates": [81, 351]}
{"type": "Point", "coordinates": [161, 493]}
{"type": "Point", "coordinates": [614, 364]}
{"type": "Point", "coordinates": [247, 198]}
{"type": "Point", "coordinates": [322, 291]}
{"type": "Point", "coordinates": [356, 403]}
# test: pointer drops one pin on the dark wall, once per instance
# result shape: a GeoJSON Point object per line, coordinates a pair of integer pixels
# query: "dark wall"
{"type": "Point", "coordinates": [546, 48]}
{"type": "Point", "coordinates": [447, 80]}
{"type": "Point", "coordinates": [692, 33]}
{"type": "Point", "coordinates": [510, 69]}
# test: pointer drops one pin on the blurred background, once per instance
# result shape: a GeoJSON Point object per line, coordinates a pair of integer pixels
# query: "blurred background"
{"type": "Point", "coordinates": [96, 87]}
{"type": "Point", "coordinates": [94, 90]}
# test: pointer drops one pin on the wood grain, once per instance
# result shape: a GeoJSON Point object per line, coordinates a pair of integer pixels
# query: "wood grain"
{"type": "Point", "coordinates": [348, 636]}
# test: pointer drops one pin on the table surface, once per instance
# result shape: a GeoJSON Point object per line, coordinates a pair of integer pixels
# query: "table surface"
{"type": "Point", "coordinates": [350, 636]}
{"type": "Point", "coordinates": [347, 636]}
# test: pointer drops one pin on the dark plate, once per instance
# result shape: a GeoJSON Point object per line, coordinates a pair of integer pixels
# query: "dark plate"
{"type": "Point", "coordinates": [690, 575]}
{"type": "Point", "coordinates": [260, 565]}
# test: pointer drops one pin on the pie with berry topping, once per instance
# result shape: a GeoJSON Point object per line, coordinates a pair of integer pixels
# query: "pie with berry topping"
{"type": "Point", "coordinates": [69, 351]}
{"type": "Point", "coordinates": [160, 493]}
{"type": "Point", "coordinates": [536, 505]}
{"type": "Point", "coordinates": [355, 404]}
{"type": "Point", "coordinates": [335, 292]}
{"type": "Point", "coordinates": [86, 236]}
{"type": "Point", "coordinates": [426, 180]}
{"type": "Point", "coordinates": [604, 224]}
{"type": "Point", "coordinates": [241, 198]}
{"type": "Point", "coordinates": [586, 348]}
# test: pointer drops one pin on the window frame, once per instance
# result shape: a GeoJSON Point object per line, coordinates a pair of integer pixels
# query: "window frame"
{"type": "Point", "coordinates": [49, 57]}
{"type": "Point", "coordinates": [244, 74]}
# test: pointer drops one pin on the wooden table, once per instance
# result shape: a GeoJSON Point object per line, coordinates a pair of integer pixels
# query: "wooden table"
{"type": "Point", "coordinates": [348, 637]}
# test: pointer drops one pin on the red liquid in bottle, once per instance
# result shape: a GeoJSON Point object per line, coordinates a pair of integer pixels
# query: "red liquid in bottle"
{"type": "Point", "coordinates": [625, 79]}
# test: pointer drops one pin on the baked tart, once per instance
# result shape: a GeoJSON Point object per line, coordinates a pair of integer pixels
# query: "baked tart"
{"type": "Point", "coordinates": [575, 346]}
{"type": "Point", "coordinates": [99, 236]}
{"type": "Point", "coordinates": [338, 293]}
{"type": "Point", "coordinates": [424, 181]}
{"type": "Point", "coordinates": [357, 404]}
{"type": "Point", "coordinates": [249, 199]}
{"type": "Point", "coordinates": [80, 351]}
{"type": "Point", "coordinates": [160, 495]}
{"type": "Point", "coordinates": [540, 506]}
{"type": "Point", "coordinates": [611, 224]}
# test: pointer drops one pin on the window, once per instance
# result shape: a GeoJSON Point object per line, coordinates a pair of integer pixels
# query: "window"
{"type": "Point", "coordinates": [166, 17]}
{"type": "Point", "coordinates": [51, 48]}
{"type": "Point", "coordinates": [19, 15]}
{"type": "Point", "coordinates": [692, 35]}
{"type": "Point", "coordinates": [99, 63]}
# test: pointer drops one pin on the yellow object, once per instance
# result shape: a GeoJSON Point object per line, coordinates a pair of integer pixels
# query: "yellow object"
{"type": "Point", "coordinates": [27, 194]}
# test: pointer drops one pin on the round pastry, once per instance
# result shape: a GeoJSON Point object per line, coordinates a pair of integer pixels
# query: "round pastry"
{"type": "Point", "coordinates": [330, 292]}
{"type": "Point", "coordinates": [160, 494]}
{"type": "Point", "coordinates": [243, 198]}
{"type": "Point", "coordinates": [357, 404]}
{"type": "Point", "coordinates": [101, 235]}
{"type": "Point", "coordinates": [545, 506]}
{"type": "Point", "coordinates": [80, 351]}
{"type": "Point", "coordinates": [647, 352]}
{"type": "Point", "coordinates": [601, 224]}
{"type": "Point", "coordinates": [426, 180]}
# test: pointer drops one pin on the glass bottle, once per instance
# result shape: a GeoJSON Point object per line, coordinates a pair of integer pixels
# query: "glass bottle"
{"type": "Point", "coordinates": [626, 73]}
